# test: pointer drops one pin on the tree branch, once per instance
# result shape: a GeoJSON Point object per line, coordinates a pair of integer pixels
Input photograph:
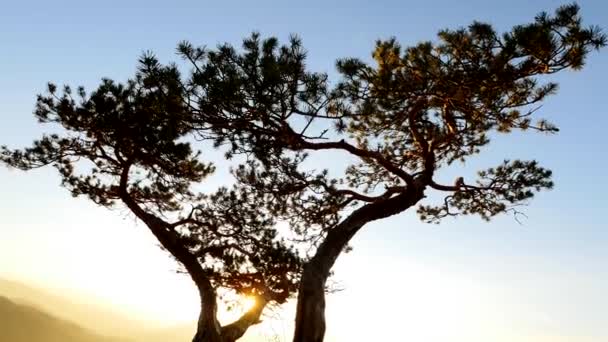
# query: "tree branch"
{"type": "Point", "coordinates": [237, 329]}
{"type": "Point", "coordinates": [362, 153]}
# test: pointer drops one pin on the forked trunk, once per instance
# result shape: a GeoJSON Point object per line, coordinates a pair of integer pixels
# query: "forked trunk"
{"type": "Point", "coordinates": [209, 329]}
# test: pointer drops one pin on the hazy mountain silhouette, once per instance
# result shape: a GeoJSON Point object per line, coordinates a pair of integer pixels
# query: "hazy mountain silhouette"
{"type": "Point", "coordinates": [36, 313]}
{"type": "Point", "coordinates": [32, 314]}
{"type": "Point", "coordinates": [69, 307]}
{"type": "Point", "coordinates": [23, 323]}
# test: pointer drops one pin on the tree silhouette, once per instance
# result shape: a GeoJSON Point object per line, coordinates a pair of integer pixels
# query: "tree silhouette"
{"type": "Point", "coordinates": [417, 110]}
{"type": "Point", "coordinates": [413, 112]}
{"type": "Point", "coordinates": [125, 144]}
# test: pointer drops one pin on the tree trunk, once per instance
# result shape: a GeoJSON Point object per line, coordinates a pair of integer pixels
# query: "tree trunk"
{"type": "Point", "coordinates": [207, 335]}
{"type": "Point", "coordinates": [208, 328]}
{"type": "Point", "coordinates": [310, 311]}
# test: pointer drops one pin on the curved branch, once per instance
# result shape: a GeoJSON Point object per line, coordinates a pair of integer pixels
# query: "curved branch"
{"type": "Point", "coordinates": [365, 198]}
{"type": "Point", "coordinates": [359, 152]}
{"type": "Point", "coordinates": [354, 195]}
{"type": "Point", "coordinates": [237, 329]}
{"type": "Point", "coordinates": [458, 187]}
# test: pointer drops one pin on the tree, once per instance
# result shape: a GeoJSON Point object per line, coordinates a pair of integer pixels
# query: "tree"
{"type": "Point", "coordinates": [125, 144]}
{"type": "Point", "coordinates": [415, 111]}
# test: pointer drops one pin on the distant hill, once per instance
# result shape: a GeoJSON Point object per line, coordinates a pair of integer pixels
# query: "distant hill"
{"type": "Point", "coordinates": [23, 323]}
{"type": "Point", "coordinates": [69, 307]}
{"type": "Point", "coordinates": [87, 317]}
{"type": "Point", "coordinates": [32, 314]}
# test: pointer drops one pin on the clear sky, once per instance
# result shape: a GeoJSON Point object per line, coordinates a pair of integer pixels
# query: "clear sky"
{"type": "Point", "coordinates": [464, 280]}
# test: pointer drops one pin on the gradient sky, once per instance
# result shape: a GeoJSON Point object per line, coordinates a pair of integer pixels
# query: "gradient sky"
{"type": "Point", "coordinates": [463, 280]}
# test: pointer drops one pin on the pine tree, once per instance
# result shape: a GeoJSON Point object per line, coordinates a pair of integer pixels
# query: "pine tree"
{"type": "Point", "coordinates": [126, 145]}
{"type": "Point", "coordinates": [414, 111]}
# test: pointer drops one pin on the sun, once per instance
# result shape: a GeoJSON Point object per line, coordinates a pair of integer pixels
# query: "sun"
{"type": "Point", "coordinates": [247, 302]}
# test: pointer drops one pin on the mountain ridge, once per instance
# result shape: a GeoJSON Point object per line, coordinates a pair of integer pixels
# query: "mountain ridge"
{"type": "Point", "coordinates": [25, 323]}
{"type": "Point", "coordinates": [74, 308]}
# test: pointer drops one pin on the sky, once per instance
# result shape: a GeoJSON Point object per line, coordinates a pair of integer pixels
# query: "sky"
{"type": "Point", "coordinates": [463, 280]}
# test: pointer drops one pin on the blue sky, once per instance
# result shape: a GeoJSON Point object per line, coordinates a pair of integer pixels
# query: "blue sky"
{"type": "Point", "coordinates": [545, 279]}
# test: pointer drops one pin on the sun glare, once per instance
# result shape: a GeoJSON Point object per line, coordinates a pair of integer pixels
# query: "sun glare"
{"type": "Point", "coordinates": [247, 302]}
